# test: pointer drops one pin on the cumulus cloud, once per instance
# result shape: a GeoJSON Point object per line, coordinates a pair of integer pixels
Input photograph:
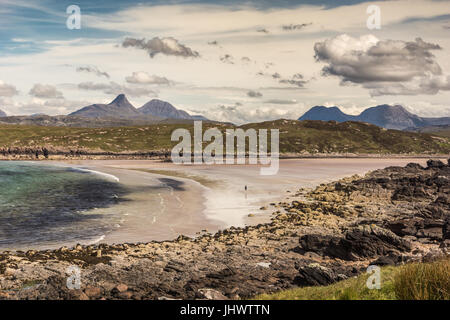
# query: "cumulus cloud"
{"type": "Point", "coordinates": [94, 70]}
{"type": "Point", "coordinates": [383, 66]}
{"type": "Point", "coordinates": [7, 90]}
{"type": "Point", "coordinates": [239, 114]}
{"type": "Point", "coordinates": [50, 106]}
{"type": "Point", "coordinates": [167, 46]}
{"type": "Point", "coordinates": [428, 84]}
{"type": "Point", "coordinates": [45, 91]}
{"type": "Point", "coordinates": [115, 88]}
{"type": "Point", "coordinates": [141, 77]}
{"type": "Point", "coordinates": [53, 106]}
{"type": "Point", "coordinates": [254, 94]}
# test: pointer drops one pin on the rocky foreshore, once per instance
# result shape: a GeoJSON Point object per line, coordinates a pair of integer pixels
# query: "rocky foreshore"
{"type": "Point", "coordinates": [390, 216]}
{"type": "Point", "coordinates": [61, 153]}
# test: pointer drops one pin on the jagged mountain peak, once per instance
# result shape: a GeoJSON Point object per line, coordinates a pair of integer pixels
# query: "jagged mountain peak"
{"type": "Point", "coordinates": [119, 108]}
{"type": "Point", "coordinates": [121, 100]}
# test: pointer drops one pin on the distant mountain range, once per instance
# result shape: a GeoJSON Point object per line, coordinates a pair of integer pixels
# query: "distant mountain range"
{"type": "Point", "coordinates": [121, 108]}
{"type": "Point", "coordinates": [120, 112]}
{"type": "Point", "coordinates": [386, 116]}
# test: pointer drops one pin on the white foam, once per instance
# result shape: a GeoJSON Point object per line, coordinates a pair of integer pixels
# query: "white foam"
{"type": "Point", "coordinates": [97, 240]}
{"type": "Point", "coordinates": [107, 175]}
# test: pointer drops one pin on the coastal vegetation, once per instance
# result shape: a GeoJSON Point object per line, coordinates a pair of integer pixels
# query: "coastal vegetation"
{"type": "Point", "coordinates": [296, 138]}
{"type": "Point", "coordinates": [412, 281]}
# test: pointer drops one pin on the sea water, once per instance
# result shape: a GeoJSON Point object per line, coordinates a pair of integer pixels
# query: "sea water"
{"type": "Point", "coordinates": [46, 205]}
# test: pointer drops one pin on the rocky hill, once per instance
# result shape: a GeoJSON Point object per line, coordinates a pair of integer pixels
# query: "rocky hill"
{"type": "Point", "coordinates": [297, 138]}
{"type": "Point", "coordinates": [119, 108]}
{"type": "Point", "coordinates": [163, 109]}
{"type": "Point", "coordinates": [386, 116]}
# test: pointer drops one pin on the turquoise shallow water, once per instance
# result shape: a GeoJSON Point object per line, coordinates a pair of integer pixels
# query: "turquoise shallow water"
{"type": "Point", "coordinates": [43, 204]}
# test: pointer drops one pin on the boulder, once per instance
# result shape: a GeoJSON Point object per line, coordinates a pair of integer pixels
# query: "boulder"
{"type": "Point", "coordinates": [211, 294]}
{"type": "Point", "coordinates": [383, 261]}
{"type": "Point", "coordinates": [315, 275]}
{"type": "Point", "coordinates": [435, 164]}
{"type": "Point", "coordinates": [120, 288]}
{"type": "Point", "coordinates": [93, 292]}
{"type": "Point", "coordinates": [357, 244]}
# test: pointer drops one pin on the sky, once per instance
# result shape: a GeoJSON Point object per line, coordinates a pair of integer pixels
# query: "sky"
{"type": "Point", "coordinates": [238, 61]}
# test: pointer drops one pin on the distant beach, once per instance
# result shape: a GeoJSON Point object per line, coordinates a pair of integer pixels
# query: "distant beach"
{"type": "Point", "coordinates": [168, 200]}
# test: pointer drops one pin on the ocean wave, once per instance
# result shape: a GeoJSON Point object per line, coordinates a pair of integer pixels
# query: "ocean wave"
{"type": "Point", "coordinates": [97, 240]}
{"type": "Point", "coordinates": [103, 174]}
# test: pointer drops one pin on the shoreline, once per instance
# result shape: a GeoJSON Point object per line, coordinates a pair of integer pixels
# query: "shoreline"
{"type": "Point", "coordinates": [321, 237]}
{"type": "Point", "coordinates": [165, 157]}
{"type": "Point", "coordinates": [221, 202]}
{"type": "Point", "coordinates": [157, 207]}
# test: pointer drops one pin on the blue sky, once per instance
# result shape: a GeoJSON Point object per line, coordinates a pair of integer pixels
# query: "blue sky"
{"type": "Point", "coordinates": [230, 60]}
{"type": "Point", "coordinates": [41, 19]}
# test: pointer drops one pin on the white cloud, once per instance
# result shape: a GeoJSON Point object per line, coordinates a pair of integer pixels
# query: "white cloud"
{"type": "Point", "coordinates": [93, 69]}
{"type": "Point", "coordinates": [168, 46]}
{"type": "Point", "coordinates": [53, 106]}
{"type": "Point", "coordinates": [45, 91]}
{"type": "Point", "coordinates": [386, 67]}
{"type": "Point", "coordinates": [240, 114]}
{"type": "Point", "coordinates": [7, 90]}
{"type": "Point", "coordinates": [141, 77]}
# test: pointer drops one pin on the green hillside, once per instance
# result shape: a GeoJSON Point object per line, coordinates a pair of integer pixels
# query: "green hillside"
{"type": "Point", "coordinates": [295, 137]}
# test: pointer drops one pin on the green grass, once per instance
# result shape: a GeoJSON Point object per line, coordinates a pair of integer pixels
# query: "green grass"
{"type": "Point", "coordinates": [295, 137]}
{"type": "Point", "coordinates": [417, 281]}
{"type": "Point", "coordinates": [443, 133]}
{"type": "Point", "coordinates": [349, 289]}
{"type": "Point", "coordinates": [351, 137]}
{"type": "Point", "coordinates": [424, 281]}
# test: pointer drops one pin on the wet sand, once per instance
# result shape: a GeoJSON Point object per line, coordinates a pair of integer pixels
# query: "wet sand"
{"type": "Point", "coordinates": [168, 200]}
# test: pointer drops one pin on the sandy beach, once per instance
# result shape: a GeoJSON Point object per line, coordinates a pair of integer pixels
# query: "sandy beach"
{"type": "Point", "coordinates": [168, 200]}
{"type": "Point", "coordinates": [389, 217]}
